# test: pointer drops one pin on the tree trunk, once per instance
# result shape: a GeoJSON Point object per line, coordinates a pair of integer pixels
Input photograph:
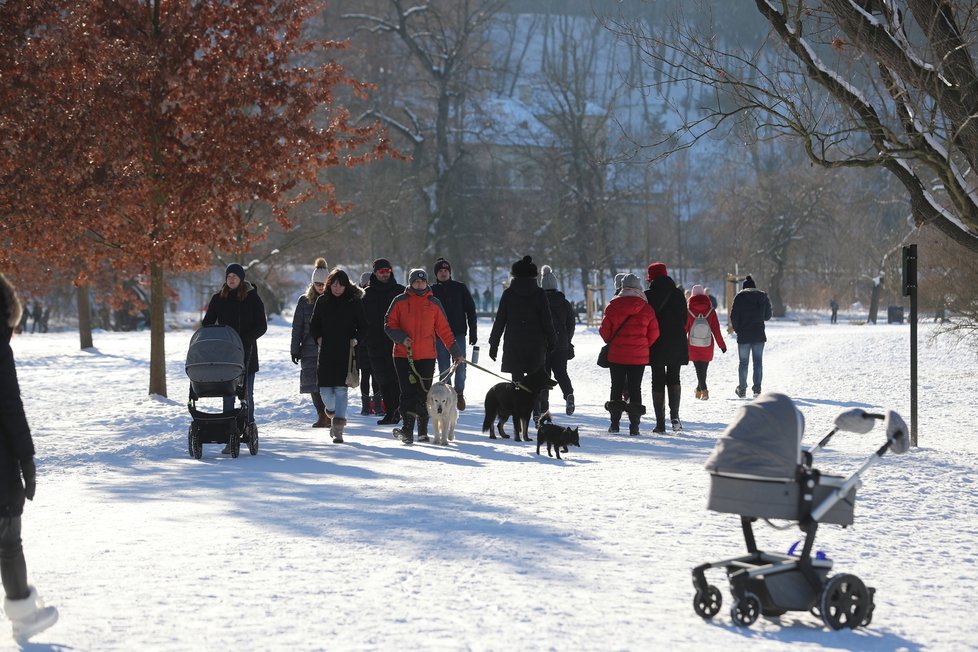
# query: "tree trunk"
{"type": "Point", "coordinates": [157, 350]}
{"type": "Point", "coordinates": [84, 317]}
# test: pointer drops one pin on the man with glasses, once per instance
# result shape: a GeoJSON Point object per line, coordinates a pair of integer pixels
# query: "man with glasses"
{"type": "Point", "coordinates": [376, 301]}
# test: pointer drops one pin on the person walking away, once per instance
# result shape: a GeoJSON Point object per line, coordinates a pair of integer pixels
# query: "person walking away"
{"type": "Point", "coordinates": [703, 329]}
{"type": "Point", "coordinates": [524, 324]}
{"type": "Point", "coordinates": [459, 307]}
{"type": "Point", "coordinates": [671, 350]}
{"type": "Point", "coordinates": [18, 482]}
{"type": "Point", "coordinates": [377, 299]}
{"type": "Point", "coordinates": [238, 305]}
{"type": "Point", "coordinates": [751, 308]}
{"type": "Point", "coordinates": [834, 305]}
{"type": "Point", "coordinates": [487, 300]}
{"type": "Point", "coordinates": [338, 321]}
{"type": "Point", "coordinates": [619, 278]}
{"type": "Point", "coordinates": [713, 299]}
{"type": "Point", "coordinates": [629, 328]}
{"type": "Point", "coordinates": [415, 319]}
{"type": "Point", "coordinates": [370, 403]}
{"type": "Point", "coordinates": [564, 321]}
{"type": "Point", "coordinates": [304, 350]}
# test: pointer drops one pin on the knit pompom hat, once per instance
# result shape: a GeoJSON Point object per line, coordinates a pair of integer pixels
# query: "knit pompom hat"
{"type": "Point", "coordinates": [319, 272]}
{"type": "Point", "coordinates": [524, 268]}
{"type": "Point", "coordinates": [441, 264]}
{"type": "Point", "coordinates": [749, 282]}
{"type": "Point", "coordinates": [631, 281]}
{"type": "Point", "coordinates": [548, 281]}
{"type": "Point", "coordinates": [656, 270]}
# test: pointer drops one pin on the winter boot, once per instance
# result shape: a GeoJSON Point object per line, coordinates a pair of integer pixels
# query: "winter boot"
{"type": "Point", "coordinates": [698, 393]}
{"type": "Point", "coordinates": [364, 405]}
{"type": "Point", "coordinates": [705, 395]}
{"type": "Point", "coordinates": [336, 430]}
{"type": "Point", "coordinates": [29, 616]}
{"type": "Point", "coordinates": [323, 421]}
{"type": "Point", "coordinates": [635, 412]}
{"type": "Point", "coordinates": [615, 408]}
{"type": "Point", "coordinates": [406, 431]}
{"type": "Point", "coordinates": [569, 404]}
{"type": "Point", "coordinates": [460, 404]}
{"type": "Point", "coordinates": [423, 429]}
{"type": "Point", "coordinates": [659, 406]}
{"type": "Point", "coordinates": [675, 392]}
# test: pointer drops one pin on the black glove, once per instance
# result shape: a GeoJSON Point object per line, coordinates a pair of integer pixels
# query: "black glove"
{"type": "Point", "coordinates": [493, 352]}
{"type": "Point", "coordinates": [472, 339]}
{"type": "Point", "coordinates": [570, 352]}
{"type": "Point", "coordinates": [295, 359]}
{"type": "Point", "coordinates": [723, 350]}
{"type": "Point", "coordinates": [30, 477]}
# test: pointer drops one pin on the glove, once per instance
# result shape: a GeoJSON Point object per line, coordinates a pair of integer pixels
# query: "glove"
{"type": "Point", "coordinates": [723, 350]}
{"type": "Point", "coordinates": [570, 352]}
{"type": "Point", "coordinates": [473, 339]}
{"type": "Point", "coordinates": [295, 359]}
{"type": "Point", "coordinates": [30, 477]}
{"type": "Point", "coordinates": [493, 352]}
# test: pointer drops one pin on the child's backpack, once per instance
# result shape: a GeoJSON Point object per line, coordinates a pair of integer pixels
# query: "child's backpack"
{"type": "Point", "coordinates": [700, 334]}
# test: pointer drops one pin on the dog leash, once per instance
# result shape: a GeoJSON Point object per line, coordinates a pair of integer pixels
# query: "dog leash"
{"type": "Point", "coordinates": [493, 373]}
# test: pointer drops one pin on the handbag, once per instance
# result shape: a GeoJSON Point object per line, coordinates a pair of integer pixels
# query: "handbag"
{"type": "Point", "coordinates": [603, 353]}
{"type": "Point", "coordinates": [352, 373]}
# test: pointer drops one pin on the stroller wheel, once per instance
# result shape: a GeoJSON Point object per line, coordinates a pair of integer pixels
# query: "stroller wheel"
{"type": "Point", "coordinates": [707, 603]}
{"type": "Point", "coordinates": [235, 442]}
{"type": "Point", "coordinates": [844, 602]}
{"type": "Point", "coordinates": [193, 442]}
{"type": "Point", "coordinates": [253, 439]}
{"type": "Point", "coordinates": [744, 611]}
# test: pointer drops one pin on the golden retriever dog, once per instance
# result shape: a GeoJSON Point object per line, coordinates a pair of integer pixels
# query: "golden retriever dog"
{"type": "Point", "coordinates": [443, 412]}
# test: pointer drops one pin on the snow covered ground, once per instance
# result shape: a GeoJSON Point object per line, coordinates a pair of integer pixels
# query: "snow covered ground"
{"type": "Point", "coordinates": [371, 545]}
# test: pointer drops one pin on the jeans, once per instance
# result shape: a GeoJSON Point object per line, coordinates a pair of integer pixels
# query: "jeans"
{"type": "Point", "coordinates": [748, 350]}
{"type": "Point", "coordinates": [335, 399]}
{"type": "Point", "coordinates": [445, 361]}
{"type": "Point", "coordinates": [249, 396]}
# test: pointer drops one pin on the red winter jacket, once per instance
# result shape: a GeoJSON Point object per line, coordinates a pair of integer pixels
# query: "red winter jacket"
{"type": "Point", "coordinates": [631, 344]}
{"type": "Point", "coordinates": [699, 304]}
{"type": "Point", "coordinates": [422, 318]}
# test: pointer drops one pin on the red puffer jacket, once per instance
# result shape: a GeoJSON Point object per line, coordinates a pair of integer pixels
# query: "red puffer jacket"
{"type": "Point", "coordinates": [421, 318]}
{"type": "Point", "coordinates": [699, 304]}
{"type": "Point", "coordinates": [632, 342]}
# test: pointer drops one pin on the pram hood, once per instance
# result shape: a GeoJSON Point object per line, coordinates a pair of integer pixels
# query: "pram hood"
{"type": "Point", "coordinates": [762, 442]}
{"type": "Point", "coordinates": [215, 355]}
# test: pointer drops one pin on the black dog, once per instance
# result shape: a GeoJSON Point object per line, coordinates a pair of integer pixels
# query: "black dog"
{"type": "Point", "coordinates": [556, 436]}
{"type": "Point", "coordinates": [509, 399]}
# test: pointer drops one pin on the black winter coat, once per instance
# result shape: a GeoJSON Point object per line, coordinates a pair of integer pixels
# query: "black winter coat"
{"type": "Point", "coordinates": [15, 435]}
{"type": "Point", "coordinates": [669, 304]}
{"type": "Point", "coordinates": [246, 316]}
{"type": "Point", "coordinates": [304, 346]}
{"type": "Point", "coordinates": [524, 315]}
{"type": "Point", "coordinates": [459, 307]}
{"type": "Point", "coordinates": [564, 319]}
{"type": "Point", "coordinates": [337, 320]}
{"type": "Point", "coordinates": [376, 302]}
{"type": "Point", "coordinates": [751, 308]}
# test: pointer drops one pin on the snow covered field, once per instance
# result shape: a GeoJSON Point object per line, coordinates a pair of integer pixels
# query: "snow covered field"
{"type": "Point", "coordinates": [372, 545]}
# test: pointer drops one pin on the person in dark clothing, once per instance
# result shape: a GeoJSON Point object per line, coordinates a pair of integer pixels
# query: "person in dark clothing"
{"type": "Point", "coordinates": [377, 300]}
{"type": "Point", "coordinates": [18, 482]}
{"type": "Point", "coordinates": [238, 305]}
{"type": "Point", "coordinates": [834, 305]}
{"type": "Point", "coordinates": [304, 349]}
{"type": "Point", "coordinates": [671, 350]}
{"type": "Point", "coordinates": [369, 403]}
{"type": "Point", "coordinates": [524, 316]}
{"type": "Point", "coordinates": [751, 308]}
{"type": "Point", "coordinates": [713, 299]}
{"type": "Point", "coordinates": [564, 321]}
{"type": "Point", "coordinates": [338, 322]}
{"type": "Point", "coordinates": [459, 307]}
{"type": "Point", "coordinates": [487, 300]}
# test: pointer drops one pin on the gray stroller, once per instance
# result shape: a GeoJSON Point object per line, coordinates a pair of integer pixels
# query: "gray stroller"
{"type": "Point", "coordinates": [759, 471]}
{"type": "Point", "coordinates": [216, 368]}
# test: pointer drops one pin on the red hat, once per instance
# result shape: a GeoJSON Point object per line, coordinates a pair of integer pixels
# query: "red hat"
{"type": "Point", "coordinates": [656, 270]}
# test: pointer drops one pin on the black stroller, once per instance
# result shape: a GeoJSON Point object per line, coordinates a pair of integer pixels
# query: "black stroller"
{"type": "Point", "coordinates": [759, 471]}
{"type": "Point", "coordinates": [216, 368]}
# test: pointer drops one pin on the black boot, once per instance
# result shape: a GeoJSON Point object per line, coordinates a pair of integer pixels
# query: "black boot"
{"type": "Point", "coordinates": [364, 404]}
{"type": "Point", "coordinates": [635, 412]}
{"type": "Point", "coordinates": [675, 391]}
{"type": "Point", "coordinates": [615, 408]}
{"type": "Point", "coordinates": [406, 431]}
{"type": "Point", "coordinates": [423, 428]}
{"type": "Point", "coordinates": [659, 406]}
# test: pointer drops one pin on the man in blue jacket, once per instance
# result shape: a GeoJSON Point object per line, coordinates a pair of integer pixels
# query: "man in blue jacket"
{"type": "Point", "coordinates": [460, 309]}
{"type": "Point", "coordinates": [751, 308]}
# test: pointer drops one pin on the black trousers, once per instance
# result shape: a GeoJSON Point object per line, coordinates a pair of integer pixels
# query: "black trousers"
{"type": "Point", "coordinates": [414, 390]}
{"type": "Point", "coordinates": [663, 375]}
{"type": "Point", "coordinates": [382, 367]}
{"type": "Point", "coordinates": [13, 568]}
{"type": "Point", "coordinates": [701, 368]}
{"type": "Point", "coordinates": [627, 377]}
{"type": "Point", "coordinates": [557, 365]}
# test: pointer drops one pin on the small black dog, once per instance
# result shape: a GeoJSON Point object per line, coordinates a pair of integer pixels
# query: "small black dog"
{"type": "Point", "coordinates": [556, 436]}
{"type": "Point", "coordinates": [508, 399]}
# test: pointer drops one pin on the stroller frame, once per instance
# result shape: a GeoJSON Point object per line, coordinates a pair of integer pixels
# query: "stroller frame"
{"type": "Point", "coordinates": [229, 428]}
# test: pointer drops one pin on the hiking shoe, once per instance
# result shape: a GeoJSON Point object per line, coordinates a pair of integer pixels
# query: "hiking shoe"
{"type": "Point", "coordinates": [389, 419]}
{"type": "Point", "coordinates": [226, 450]}
{"type": "Point", "coordinates": [677, 425]}
{"type": "Point", "coordinates": [741, 392]}
{"type": "Point", "coordinates": [570, 404]}
{"type": "Point", "coordinates": [461, 403]}
{"type": "Point", "coordinates": [757, 393]}
{"type": "Point", "coordinates": [659, 429]}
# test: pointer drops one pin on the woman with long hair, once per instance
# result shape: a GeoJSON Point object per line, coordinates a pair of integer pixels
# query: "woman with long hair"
{"type": "Point", "coordinates": [304, 350]}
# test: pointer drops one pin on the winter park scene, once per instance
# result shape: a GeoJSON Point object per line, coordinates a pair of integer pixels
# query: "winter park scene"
{"type": "Point", "coordinates": [488, 325]}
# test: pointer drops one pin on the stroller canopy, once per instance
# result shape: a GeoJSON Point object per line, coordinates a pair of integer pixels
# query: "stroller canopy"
{"type": "Point", "coordinates": [215, 355]}
{"type": "Point", "coordinates": [762, 442]}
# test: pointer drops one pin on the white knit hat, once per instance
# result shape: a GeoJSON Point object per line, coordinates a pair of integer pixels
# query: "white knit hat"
{"type": "Point", "coordinates": [320, 274]}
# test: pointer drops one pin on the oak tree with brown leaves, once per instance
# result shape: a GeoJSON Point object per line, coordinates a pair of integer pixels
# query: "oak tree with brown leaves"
{"type": "Point", "coordinates": [132, 133]}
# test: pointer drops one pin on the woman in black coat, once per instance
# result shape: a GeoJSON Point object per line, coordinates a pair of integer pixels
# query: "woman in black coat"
{"type": "Point", "coordinates": [671, 350]}
{"type": "Point", "coordinates": [338, 321]}
{"type": "Point", "coordinates": [304, 351]}
{"type": "Point", "coordinates": [16, 461]}
{"type": "Point", "coordinates": [238, 305]}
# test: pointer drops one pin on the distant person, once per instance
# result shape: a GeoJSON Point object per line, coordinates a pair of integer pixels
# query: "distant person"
{"type": "Point", "coordinates": [304, 350]}
{"type": "Point", "coordinates": [751, 308]}
{"type": "Point", "coordinates": [564, 321]}
{"type": "Point", "coordinates": [459, 307]}
{"type": "Point", "coordinates": [713, 299]}
{"type": "Point", "coordinates": [671, 350]}
{"type": "Point", "coordinates": [37, 312]}
{"type": "Point", "coordinates": [18, 482]}
{"type": "Point", "coordinates": [700, 353]}
{"type": "Point", "coordinates": [619, 277]}
{"type": "Point", "coordinates": [369, 403]}
{"type": "Point", "coordinates": [377, 300]}
{"type": "Point", "coordinates": [834, 305]}
{"type": "Point", "coordinates": [487, 300]}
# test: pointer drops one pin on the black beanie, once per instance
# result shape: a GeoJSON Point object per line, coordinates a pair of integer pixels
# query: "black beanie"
{"type": "Point", "coordinates": [749, 282]}
{"type": "Point", "coordinates": [382, 263]}
{"type": "Point", "coordinates": [236, 269]}
{"type": "Point", "coordinates": [524, 268]}
{"type": "Point", "coordinates": [441, 264]}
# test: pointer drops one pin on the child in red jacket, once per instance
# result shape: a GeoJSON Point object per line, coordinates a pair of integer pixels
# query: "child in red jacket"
{"type": "Point", "coordinates": [700, 356]}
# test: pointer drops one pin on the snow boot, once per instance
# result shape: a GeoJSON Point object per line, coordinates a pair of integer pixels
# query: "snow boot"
{"type": "Point", "coordinates": [615, 408]}
{"type": "Point", "coordinates": [675, 393]}
{"type": "Point", "coordinates": [659, 406]}
{"type": "Point", "coordinates": [364, 405]}
{"type": "Point", "coordinates": [423, 429]}
{"type": "Point", "coordinates": [460, 404]}
{"type": "Point", "coordinates": [29, 616]}
{"type": "Point", "coordinates": [569, 401]}
{"type": "Point", "coordinates": [325, 418]}
{"type": "Point", "coordinates": [698, 393]}
{"type": "Point", "coordinates": [336, 430]}
{"type": "Point", "coordinates": [635, 412]}
{"type": "Point", "coordinates": [406, 431]}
